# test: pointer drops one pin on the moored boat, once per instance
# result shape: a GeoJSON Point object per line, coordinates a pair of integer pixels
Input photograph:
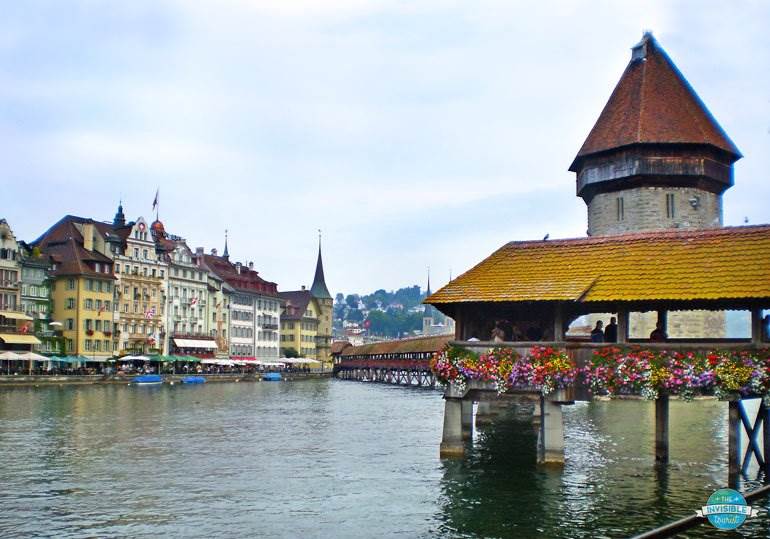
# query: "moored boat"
{"type": "Point", "coordinates": [147, 379]}
{"type": "Point", "coordinates": [194, 380]}
{"type": "Point", "coordinates": [272, 377]}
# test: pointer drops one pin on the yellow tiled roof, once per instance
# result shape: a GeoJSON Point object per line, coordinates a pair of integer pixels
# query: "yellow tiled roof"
{"type": "Point", "coordinates": [714, 264]}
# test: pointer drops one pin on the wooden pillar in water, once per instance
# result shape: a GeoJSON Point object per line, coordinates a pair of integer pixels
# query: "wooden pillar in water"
{"type": "Point", "coordinates": [467, 418]}
{"type": "Point", "coordinates": [765, 411]}
{"type": "Point", "coordinates": [661, 429]}
{"type": "Point", "coordinates": [452, 445]}
{"type": "Point", "coordinates": [733, 443]}
{"type": "Point", "coordinates": [551, 442]}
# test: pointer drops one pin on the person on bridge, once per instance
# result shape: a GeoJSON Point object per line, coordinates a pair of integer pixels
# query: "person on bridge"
{"type": "Point", "coordinates": [498, 334]}
{"type": "Point", "coordinates": [658, 334]}
{"type": "Point", "coordinates": [611, 331]}
{"type": "Point", "coordinates": [597, 334]}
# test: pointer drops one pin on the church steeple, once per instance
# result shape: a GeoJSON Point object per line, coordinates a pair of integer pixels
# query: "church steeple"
{"type": "Point", "coordinates": [319, 289]}
{"type": "Point", "coordinates": [225, 254]}
{"type": "Point", "coordinates": [120, 219]}
{"type": "Point", "coordinates": [428, 312]}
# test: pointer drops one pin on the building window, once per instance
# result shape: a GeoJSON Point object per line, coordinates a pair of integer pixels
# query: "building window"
{"type": "Point", "coordinates": [670, 212]}
{"type": "Point", "coordinates": [70, 324]}
{"type": "Point", "coordinates": [71, 284]}
{"type": "Point", "coordinates": [621, 209]}
{"type": "Point", "coordinates": [70, 303]}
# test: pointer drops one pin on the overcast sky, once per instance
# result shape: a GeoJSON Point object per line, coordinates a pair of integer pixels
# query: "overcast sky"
{"type": "Point", "coordinates": [415, 134]}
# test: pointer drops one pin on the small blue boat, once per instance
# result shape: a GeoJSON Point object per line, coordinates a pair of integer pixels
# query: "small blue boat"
{"type": "Point", "coordinates": [193, 380]}
{"type": "Point", "coordinates": [147, 379]}
{"type": "Point", "coordinates": [272, 377]}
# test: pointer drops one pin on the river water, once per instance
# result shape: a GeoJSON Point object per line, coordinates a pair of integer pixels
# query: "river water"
{"type": "Point", "coordinates": [328, 458]}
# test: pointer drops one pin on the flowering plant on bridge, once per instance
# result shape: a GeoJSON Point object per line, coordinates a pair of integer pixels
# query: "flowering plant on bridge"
{"type": "Point", "coordinates": [544, 368]}
{"type": "Point", "coordinates": [617, 371]}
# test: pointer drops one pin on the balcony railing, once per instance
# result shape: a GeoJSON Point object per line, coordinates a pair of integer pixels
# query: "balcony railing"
{"type": "Point", "coordinates": [270, 326]}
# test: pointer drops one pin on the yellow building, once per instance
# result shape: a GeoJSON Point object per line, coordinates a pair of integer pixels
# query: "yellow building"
{"type": "Point", "coordinates": [299, 323]}
{"type": "Point", "coordinates": [82, 287]}
{"type": "Point", "coordinates": [306, 322]}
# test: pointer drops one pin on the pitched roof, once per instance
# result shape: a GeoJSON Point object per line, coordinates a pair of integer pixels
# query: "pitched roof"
{"type": "Point", "coordinates": [653, 103]}
{"type": "Point", "coordinates": [247, 280]}
{"type": "Point", "coordinates": [63, 242]}
{"type": "Point", "coordinates": [339, 346]}
{"type": "Point", "coordinates": [401, 346]}
{"type": "Point", "coordinates": [296, 303]}
{"type": "Point", "coordinates": [671, 265]}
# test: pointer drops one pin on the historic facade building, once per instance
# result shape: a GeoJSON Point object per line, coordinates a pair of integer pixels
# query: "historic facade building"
{"type": "Point", "coordinates": [15, 325]}
{"type": "Point", "coordinates": [142, 273]}
{"type": "Point", "coordinates": [254, 307]}
{"type": "Point", "coordinates": [36, 299]}
{"type": "Point", "coordinates": [306, 322]}
{"type": "Point", "coordinates": [83, 285]}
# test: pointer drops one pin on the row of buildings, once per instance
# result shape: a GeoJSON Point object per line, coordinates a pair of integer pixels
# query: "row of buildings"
{"type": "Point", "coordinates": [100, 289]}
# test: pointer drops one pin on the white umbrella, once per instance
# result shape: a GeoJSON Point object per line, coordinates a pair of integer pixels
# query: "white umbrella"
{"type": "Point", "coordinates": [134, 358]}
{"type": "Point", "coordinates": [33, 356]}
{"type": "Point", "coordinates": [55, 324]}
{"type": "Point", "coordinates": [9, 356]}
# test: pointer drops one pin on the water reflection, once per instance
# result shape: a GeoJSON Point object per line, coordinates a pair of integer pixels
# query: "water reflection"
{"type": "Point", "coordinates": [610, 485]}
{"type": "Point", "coordinates": [336, 459]}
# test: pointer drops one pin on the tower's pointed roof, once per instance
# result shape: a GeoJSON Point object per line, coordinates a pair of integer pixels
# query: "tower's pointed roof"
{"type": "Point", "coordinates": [319, 289]}
{"type": "Point", "coordinates": [225, 253]}
{"type": "Point", "coordinates": [428, 311]}
{"type": "Point", "coordinates": [653, 104]}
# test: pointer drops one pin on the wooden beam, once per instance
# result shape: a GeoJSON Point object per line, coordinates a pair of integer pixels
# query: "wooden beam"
{"type": "Point", "coordinates": [623, 325]}
{"type": "Point", "coordinates": [756, 326]}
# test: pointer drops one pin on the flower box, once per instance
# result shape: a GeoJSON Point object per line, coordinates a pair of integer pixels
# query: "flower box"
{"type": "Point", "coordinates": [89, 332]}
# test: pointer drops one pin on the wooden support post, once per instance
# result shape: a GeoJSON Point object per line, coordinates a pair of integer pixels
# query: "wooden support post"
{"type": "Point", "coordinates": [661, 429]}
{"type": "Point", "coordinates": [467, 419]}
{"type": "Point", "coordinates": [622, 326]}
{"type": "Point", "coordinates": [452, 439]}
{"type": "Point", "coordinates": [756, 326]}
{"type": "Point", "coordinates": [765, 411]}
{"type": "Point", "coordinates": [551, 446]}
{"type": "Point", "coordinates": [663, 320]}
{"type": "Point", "coordinates": [558, 323]}
{"type": "Point", "coordinates": [733, 443]}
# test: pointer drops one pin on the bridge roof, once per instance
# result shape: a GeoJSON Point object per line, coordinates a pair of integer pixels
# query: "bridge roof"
{"type": "Point", "coordinates": [402, 346]}
{"type": "Point", "coordinates": [731, 263]}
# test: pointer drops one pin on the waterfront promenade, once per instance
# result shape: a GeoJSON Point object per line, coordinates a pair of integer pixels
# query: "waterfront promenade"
{"type": "Point", "coordinates": [93, 379]}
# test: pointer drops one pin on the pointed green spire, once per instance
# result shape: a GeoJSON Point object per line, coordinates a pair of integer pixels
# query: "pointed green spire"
{"type": "Point", "coordinates": [319, 289]}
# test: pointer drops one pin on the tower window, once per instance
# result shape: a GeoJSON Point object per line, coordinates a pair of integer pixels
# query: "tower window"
{"type": "Point", "coordinates": [621, 209]}
{"type": "Point", "coordinates": [670, 213]}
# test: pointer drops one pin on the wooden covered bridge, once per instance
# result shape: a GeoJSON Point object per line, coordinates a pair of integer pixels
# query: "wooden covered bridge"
{"type": "Point", "coordinates": [403, 362]}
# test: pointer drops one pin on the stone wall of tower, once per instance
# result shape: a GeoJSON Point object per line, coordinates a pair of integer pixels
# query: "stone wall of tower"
{"type": "Point", "coordinates": [324, 335]}
{"type": "Point", "coordinates": [645, 208]}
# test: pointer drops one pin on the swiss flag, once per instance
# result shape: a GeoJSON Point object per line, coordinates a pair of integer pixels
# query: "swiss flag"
{"type": "Point", "coordinates": [367, 323]}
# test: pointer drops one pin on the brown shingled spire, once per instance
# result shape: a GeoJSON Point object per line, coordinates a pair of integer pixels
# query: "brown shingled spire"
{"type": "Point", "coordinates": [653, 103]}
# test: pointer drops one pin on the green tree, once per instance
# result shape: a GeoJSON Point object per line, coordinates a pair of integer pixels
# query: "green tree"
{"type": "Point", "coordinates": [354, 315]}
{"type": "Point", "coordinates": [289, 352]}
{"type": "Point", "coordinates": [352, 300]}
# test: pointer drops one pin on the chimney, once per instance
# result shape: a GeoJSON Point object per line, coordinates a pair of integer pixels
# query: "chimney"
{"type": "Point", "coordinates": [88, 236]}
{"type": "Point", "coordinates": [251, 265]}
{"type": "Point", "coordinates": [199, 250]}
{"type": "Point", "coordinates": [238, 267]}
{"type": "Point", "coordinates": [303, 287]}
{"type": "Point", "coordinates": [214, 252]}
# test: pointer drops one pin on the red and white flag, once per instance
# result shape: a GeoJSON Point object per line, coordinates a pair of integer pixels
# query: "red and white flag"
{"type": "Point", "coordinates": [193, 301]}
{"type": "Point", "coordinates": [150, 313]}
{"type": "Point", "coordinates": [155, 201]}
{"type": "Point", "coordinates": [102, 308]}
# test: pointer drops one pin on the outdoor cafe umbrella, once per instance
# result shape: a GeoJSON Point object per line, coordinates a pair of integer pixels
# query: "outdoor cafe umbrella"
{"type": "Point", "coordinates": [9, 356]}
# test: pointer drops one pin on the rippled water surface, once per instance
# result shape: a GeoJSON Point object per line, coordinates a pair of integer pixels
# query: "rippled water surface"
{"type": "Point", "coordinates": [328, 458]}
